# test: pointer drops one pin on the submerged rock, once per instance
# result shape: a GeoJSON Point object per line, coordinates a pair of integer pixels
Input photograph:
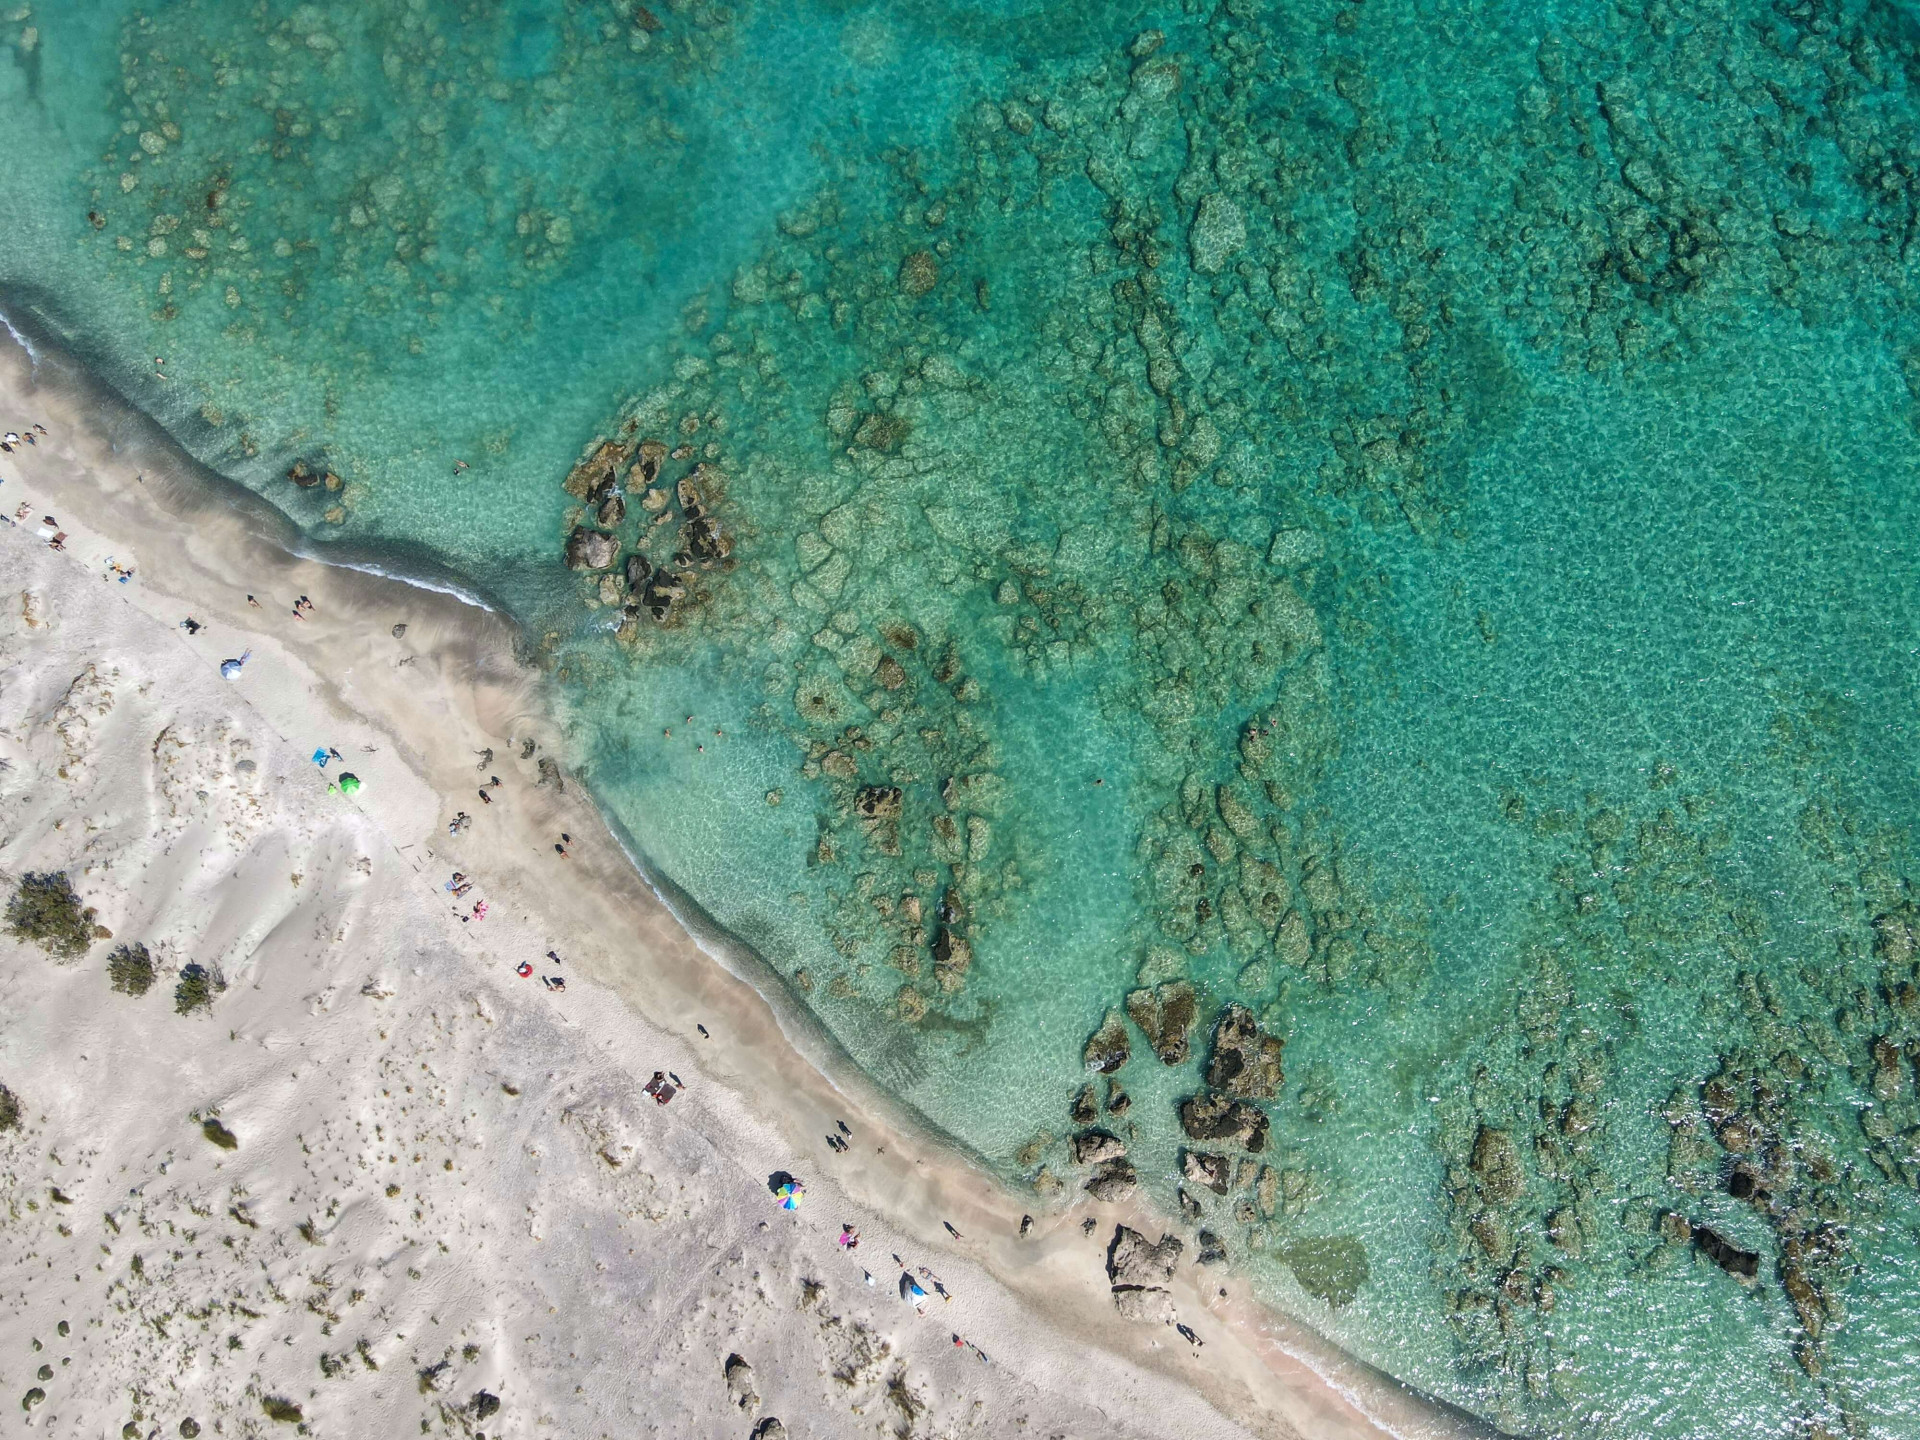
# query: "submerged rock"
{"type": "Point", "coordinates": [919, 273]}
{"type": "Point", "coordinates": [1212, 1251]}
{"type": "Point", "coordinates": [1215, 1117]}
{"type": "Point", "coordinates": [1165, 1015]}
{"type": "Point", "coordinates": [638, 572]}
{"type": "Point", "coordinates": [591, 549]}
{"type": "Point", "coordinates": [1246, 1060]}
{"type": "Point", "coordinates": [612, 511]}
{"type": "Point", "coordinates": [1219, 232]}
{"type": "Point", "coordinates": [1109, 1048]}
{"type": "Point", "coordinates": [878, 802]}
{"type": "Point", "coordinates": [1496, 1161]}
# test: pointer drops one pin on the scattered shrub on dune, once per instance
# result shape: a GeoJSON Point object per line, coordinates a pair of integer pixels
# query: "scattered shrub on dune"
{"type": "Point", "coordinates": [285, 1411]}
{"type": "Point", "coordinates": [130, 970]}
{"type": "Point", "coordinates": [197, 989]}
{"type": "Point", "coordinates": [46, 912]}
{"type": "Point", "coordinates": [219, 1134]}
{"type": "Point", "coordinates": [9, 1109]}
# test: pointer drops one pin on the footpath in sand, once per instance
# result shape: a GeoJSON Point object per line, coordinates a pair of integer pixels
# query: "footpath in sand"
{"type": "Point", "coordinates": [385, 1182]}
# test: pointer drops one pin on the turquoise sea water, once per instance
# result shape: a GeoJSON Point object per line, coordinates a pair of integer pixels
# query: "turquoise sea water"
{"type": "Point", "coordinates": [1398, 517]}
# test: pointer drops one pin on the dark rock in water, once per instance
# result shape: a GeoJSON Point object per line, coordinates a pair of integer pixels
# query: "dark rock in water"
{"type": "Point", "coordinates": [1189, 1207]}
{"type": "Point", "coordinates": [1246, 1060]}
{"type": "Point", "coordinates": [1496, 1161]}
{"type": "Point", "coordinates": [604, 463]}
{"type": "Point", "coordinates": [1118, 1102]}
{"type": "Point", "coordinates": [1212, 1171]}
{"type": "Point", "coordinates": [1084, 1110]}
{"type": "Point", "coordinates": [591, 549]}
{"type": "Point", "coordinates": [307, 473]}
{"type": "Point", "coordinates": [951, 957]}
{"type": "Point", "coordinates": [702, 539]}
{"type": "Point", "coordinates": [638, 573]}
{"type": "Point", "coordinates": [612, 511]}
{"type": "Point", "coordinates": [1740, 1185]}
{"type": "Point", "coordinates": [662, 590]}
{"type": "Point", "coordinates": [1165, 1015]}
{"type": "Point", "coordinates": [1212, 1251]}
{"type": "Point", "coordinates": [1109, 1047]}
{"type": "Point", "coordinates": [646, 469]}
{"type": "Point", "coordinates": [1215, 1117]}
{"type": "Point", "coordinates": [1132, 1261]}
{"type": "Point", "coordinates": [1113, 1180]}
{"type": "Point", "coordinates": [1724, 1253]}
{"type": "Point", "coordinates": [1091, 1147]}
{"type": "Point", "coordinates": [878, 802]}
{"type": "Point", "coordinates": [952, 909]}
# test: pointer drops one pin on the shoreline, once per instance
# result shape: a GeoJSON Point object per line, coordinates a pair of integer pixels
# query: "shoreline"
{"type": "Point", "coordinates": [450, 687]}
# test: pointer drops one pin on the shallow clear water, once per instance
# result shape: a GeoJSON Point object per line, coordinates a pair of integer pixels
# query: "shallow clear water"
{"type": "Point", "coordinates": [1400, 517]}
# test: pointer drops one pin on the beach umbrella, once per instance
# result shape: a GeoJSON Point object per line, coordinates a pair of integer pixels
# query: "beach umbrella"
{"type": "Point", "coordinates": [349, 783]}
{"type": "Point", "coordinates": [230, 669]}
{"type": "Point", "coordinates": [790, 1195]}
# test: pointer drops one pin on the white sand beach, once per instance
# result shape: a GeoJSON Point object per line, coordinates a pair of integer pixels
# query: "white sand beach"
{"type": "Point", "coordinates": [449, 1207]}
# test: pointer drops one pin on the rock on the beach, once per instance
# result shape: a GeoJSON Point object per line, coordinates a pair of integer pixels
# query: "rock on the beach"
{"type": "Point", "coordinates": [1212, 1250]}
{"type": "Point", "coordinates": [1133, 1260]}
{"type": "Point", "coordinates": [1165, 1015]}
{"type": "Point", "coordinates": [1113, 1180]}
{"type": "Point", "coordinates": [1090, 1147]}
{"type": "Point", "coordinates": [1109, 1048]}
{"type": "Point", "coordinates": [591, 549]}
{"type": "Point", "coordinates": [1147, 1304]}
{"type": "Point", "coordinates": [740, 1388]}
{"type": "Point", "coordinates": [1246, 1060]}
{"type": "Point", "coordinates": [1216, 1117]}
{"type": "Point", "coordinates": [769, 1429]}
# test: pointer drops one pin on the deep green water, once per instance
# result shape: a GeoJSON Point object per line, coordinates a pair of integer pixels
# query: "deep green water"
{"type": "Point", "coordinates": [1448, 472]}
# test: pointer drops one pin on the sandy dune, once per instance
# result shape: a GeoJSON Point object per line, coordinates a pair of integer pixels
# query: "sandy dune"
{"type": "Point", "coordinates": [447, 1205]}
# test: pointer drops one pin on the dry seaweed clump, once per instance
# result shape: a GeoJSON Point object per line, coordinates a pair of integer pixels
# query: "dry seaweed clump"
{"type": "Point", "coordinates": [197, 989]}
{"type": "Point", "coordinates": [44, 911]}
{"type": "Point", "coordinates": [130, 970]}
